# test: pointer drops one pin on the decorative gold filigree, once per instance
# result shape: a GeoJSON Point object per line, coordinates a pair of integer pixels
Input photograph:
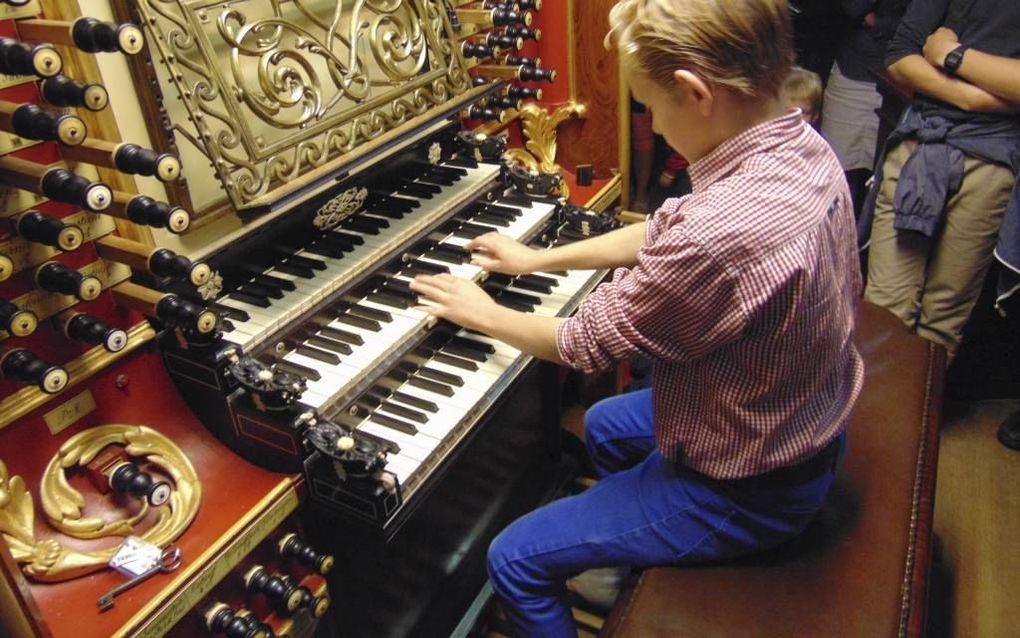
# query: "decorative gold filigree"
{"type": "Point", "coordinates": [340, 208]}
{"type": "Point", "coordinates": [48, 560]}
{"type": "Point", "coordinates": [212, 288]}
{"type": "Point", "coordinates": [274, 89]}
{"type": "Point", "coordinates": [540, 127]}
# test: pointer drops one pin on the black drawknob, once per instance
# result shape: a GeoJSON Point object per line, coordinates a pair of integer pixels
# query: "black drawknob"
{"type": "Point", "coordinates": [43, 229]}
{"type": "Point", "coordinates": [318, 605]}
{"type": "Point", "coordinates": [166, 263]}
{"type": "Point", "coordinates": [517, 60]}
{"type": "Point", "coordinates": [129, 479]}
{"type": "Point", "coordinates": [290, 546]}
{"type": "Point", "coordinates": [527, 33]}
{"type": "Point", "coordinates": [284, 595]}
{"type": "Point", "coordinates": [21, 364]}
{"type": "Point", "coordinates": [532, 74]}
{"type": "Point", "coordinates": [484, 113]}
{"type": "Point", "coordinates": [149, 212]}
{"type": "Point", "coordinates": [35, 123]}
{"type": "Point", "coordinates": [516, 92]}
{"type": "Point", "coordinates": [20, 58]}
{"type": "Point", "coordinates": [505, 102]}
{"type": "Point", "coordinates": [188, 315]}
{"type": "Point", "coordinates": [504, 17]}
{"type": "Point", "coordinates": [136, 160]}
{"type": "Point", "coordinates": [88, 329]}
{"type": "Point", "coordinates": [56, 277]}
{"type": "Point", "coordinates": [533, 5]}
{"type": "Point", "coordinates": [18, 322]}
{"type": "Point", "coordinates": [96, 36]}
{"type": "Point", "coordinates": [503, 41]}
{"type": "Point", "coordinates": [476, 50]}
{"type": "Point", "coordinates": [220, 618]}
{"type": "Point", "coordinates": [62, 185]}
{"type": "Point", "coordinates": [61, 90]}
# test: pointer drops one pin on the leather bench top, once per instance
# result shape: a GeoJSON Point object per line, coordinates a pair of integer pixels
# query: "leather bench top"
{"type": "Point", "coordinates": [861, 568]}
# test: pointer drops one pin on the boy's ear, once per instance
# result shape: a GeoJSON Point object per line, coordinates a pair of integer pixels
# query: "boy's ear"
{"type": "Point", "coordinates": [697, 88]}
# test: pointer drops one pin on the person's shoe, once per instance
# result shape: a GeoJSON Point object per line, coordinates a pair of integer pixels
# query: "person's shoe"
{"type": "Point", "coordinates": [1009, 431]}
{"type": "Point", "coordinates": [599, 587]}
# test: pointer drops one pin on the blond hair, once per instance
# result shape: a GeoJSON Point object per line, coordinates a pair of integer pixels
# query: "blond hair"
{"type": "Point", "coordinates": [804, 86]}
{"type": "Point", "coordinates": [743, 45]}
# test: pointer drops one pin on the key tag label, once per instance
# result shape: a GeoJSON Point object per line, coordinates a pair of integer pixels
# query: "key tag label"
{"type": "Point", "coordinates": [135, 557]}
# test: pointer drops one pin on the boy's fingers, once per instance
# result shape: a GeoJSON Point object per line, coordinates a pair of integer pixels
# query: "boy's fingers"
{"type": "Point", "coordinates": [482, 241]}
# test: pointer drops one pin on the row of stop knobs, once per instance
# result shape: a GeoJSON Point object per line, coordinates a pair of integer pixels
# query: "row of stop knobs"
{"type": "Point", "coordinates": [285, 596]}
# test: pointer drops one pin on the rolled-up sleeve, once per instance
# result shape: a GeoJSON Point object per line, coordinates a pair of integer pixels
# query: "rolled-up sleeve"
{"type": "Point", "coordinates": [923, 17]}
{"type": "Point", "coordinates": [678, 303]}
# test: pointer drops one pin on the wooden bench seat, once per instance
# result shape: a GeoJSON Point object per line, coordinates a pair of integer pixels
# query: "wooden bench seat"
{"type": "Point", "coordinates": [861, 569]}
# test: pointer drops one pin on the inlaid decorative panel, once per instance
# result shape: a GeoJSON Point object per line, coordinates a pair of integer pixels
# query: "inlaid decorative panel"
{"type": "Point", "coordinates": [274, 88]}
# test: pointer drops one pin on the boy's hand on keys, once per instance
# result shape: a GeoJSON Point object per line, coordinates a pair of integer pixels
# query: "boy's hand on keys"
{"type": "Point", "coordinates": [499, 253]}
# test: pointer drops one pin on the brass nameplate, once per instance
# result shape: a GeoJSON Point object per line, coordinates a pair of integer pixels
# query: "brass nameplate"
{"type": "Point", "coordinates": [10, 142]}
{"type": "Point", "coordinates": [30, 10]}
{"type": "Point", "coordinates": [67, 413]}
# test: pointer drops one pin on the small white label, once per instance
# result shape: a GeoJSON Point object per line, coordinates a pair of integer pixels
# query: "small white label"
{"type": "Point", "coordinates": [135, 557]}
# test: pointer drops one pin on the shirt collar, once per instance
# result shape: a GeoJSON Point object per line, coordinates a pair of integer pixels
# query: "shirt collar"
{"type": "Point", "coordinates": [731, 153]}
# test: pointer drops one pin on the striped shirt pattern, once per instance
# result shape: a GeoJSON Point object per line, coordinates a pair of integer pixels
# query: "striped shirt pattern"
{"type": "Point", "coordinates": [744, 297]}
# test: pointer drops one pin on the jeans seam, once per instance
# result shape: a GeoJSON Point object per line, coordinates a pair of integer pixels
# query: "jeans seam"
{"type": "Point", "coordinates": [707, 536]}
{"type": "Point", "coordinates": [649, 525]}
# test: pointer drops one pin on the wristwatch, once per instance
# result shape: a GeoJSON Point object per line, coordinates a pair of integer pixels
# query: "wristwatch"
{"type": "Point", "coordinates": [954, 59]}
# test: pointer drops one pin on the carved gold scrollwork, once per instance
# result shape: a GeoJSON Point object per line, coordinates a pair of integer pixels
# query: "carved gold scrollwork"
{"type": "Point", "coordinates": [540, 127]}
{"type": "Point", "coordinates": [48, 560]}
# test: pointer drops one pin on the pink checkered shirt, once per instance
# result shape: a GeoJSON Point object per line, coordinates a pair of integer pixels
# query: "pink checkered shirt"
{"type": "Point", "coordinates": [744, 297]}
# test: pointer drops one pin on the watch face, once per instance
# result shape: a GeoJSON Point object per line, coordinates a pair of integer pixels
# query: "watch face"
{"type": "Point", "coordinates": [953, 60]}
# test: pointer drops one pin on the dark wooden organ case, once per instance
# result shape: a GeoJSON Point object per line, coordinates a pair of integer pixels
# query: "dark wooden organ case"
{"type": "Point", "coordinates": [423, 575]}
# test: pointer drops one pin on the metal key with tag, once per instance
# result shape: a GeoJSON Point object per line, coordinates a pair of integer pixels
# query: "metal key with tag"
{"type": "Point", "coordinates": [169, 560]}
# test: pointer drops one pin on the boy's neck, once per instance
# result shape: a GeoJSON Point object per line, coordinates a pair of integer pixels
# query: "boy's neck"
{"type": "Point", "coordinates": [732, 116]}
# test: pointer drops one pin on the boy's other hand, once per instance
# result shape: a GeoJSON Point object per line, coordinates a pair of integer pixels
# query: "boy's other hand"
{"type": "Point", "coordinates": [499, 253]}
{"type": "Point", "coordinates": [939, 45]}
{"type": "Point", "coordinates": [458, 300]}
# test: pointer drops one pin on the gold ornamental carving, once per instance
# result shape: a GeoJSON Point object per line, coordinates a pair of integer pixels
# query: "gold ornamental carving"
{"type": "Point", "coordinates": [540, 128]}
{"type": "Point", "coordinates": [276, 88]}
{"type": "Point", "coordinates": [48, 560]}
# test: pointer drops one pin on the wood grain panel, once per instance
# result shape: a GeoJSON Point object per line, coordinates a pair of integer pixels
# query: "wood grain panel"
{"type": "Point", "coordinates": [593, 140]}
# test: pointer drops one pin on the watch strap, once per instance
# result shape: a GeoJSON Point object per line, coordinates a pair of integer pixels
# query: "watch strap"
{"type": "Point", "coordinates": [954, 59]}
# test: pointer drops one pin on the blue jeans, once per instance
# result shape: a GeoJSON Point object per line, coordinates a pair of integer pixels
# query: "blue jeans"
{"type": "Point", "coordinates": [644, 511]}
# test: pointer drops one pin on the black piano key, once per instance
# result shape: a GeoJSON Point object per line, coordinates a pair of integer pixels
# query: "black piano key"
{"type": "Point", "coordinates": [294, 269]}
{"type": "Point", "coordinates": [440, 376]}
{"type": "Point", "coordinates": [513, 305]}
{"type": "Point", "coordinates": [422, 187]}
{"type": "Point", "coordinates": [231, 313]}
{"type": "Point", "coordinates": [403, 412]}
{"type": "Point", "coordinates": [539, 279]}
{"type": "Point", "coordinates": [359, 322]}
{"type": "Point", "coordinates": [300, 370]}
{"type": "Point", "coordinates": [332, 345]}
{"type": "Point", "coordinates": [510, 211]}
{"type": "Point", "coordinates": [446, 257]}
{"type": "Point", "coordinates": [517, 200]}
{"type": "Point", "coordinates": [490, 219]}
{"type": "Point", "coordinates": [352, 238]}
{"type": "Point", "coordinates": [419, 403]}
{"type": "Point", "coordinates": [520, 297]}
{"type": "Point", "coordinates": [371, 313]}
{"type": "Point", "coordinates": [274, 282]}
{"type": "Point", "coordinates": [389, 212]}
{"type": "Point", "coordinates": [426, 268]}
{"type": "Point", "coordinates": [392, 301]}
{"type": "Point", "coordinates": [532, 286]}
{"type": "Point", "coordinates": [318, 355]}
{"type": "Point", "coordinates": [462, 352]}
{"type": "Point", "coordinates": [393, 423]}
{"type": "Point", "coordinates": [254, 300]}
{"type": "Point", "coordinates": [465, 162]}
{"type": "Point", "coordinates": [326, 250]}
{"type": "Point", "coordinates": [361, 225]}
{"type": "Point", "coordinates": [430, 386]}
{"type": "Point", "coordinates": [456, 362]}
{"type": "Point", "coordinates": [368, 402]}
{"type": "Point", "coordinates": [342, 335]}
{"type": "Point", "coordinates": [268, 292]}
{"type": "Point", "coordinates": [558, 273]}
{"type": "Point", "coordinates": [416, 190]}
{"type": "Point", "coordinates": [335, 240]}
{"type": "Point", "coordinates": [481, 346]}
{"type": "Point", "coordinates": [437, 180]}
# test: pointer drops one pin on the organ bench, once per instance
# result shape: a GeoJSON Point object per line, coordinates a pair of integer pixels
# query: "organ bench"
{"type": "Point", "coordinates": [862, 568]}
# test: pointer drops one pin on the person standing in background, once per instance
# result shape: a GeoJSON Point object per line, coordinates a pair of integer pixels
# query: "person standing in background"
{"type": "Point", "coordinates": [849, 111]}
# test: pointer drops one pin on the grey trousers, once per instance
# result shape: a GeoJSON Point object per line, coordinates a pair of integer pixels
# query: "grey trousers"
{"type": "Point", "coordinates": [932, 283]}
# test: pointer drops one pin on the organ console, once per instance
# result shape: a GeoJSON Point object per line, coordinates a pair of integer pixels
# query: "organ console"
{"type": "Point", "coordinates": [357, 454]}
